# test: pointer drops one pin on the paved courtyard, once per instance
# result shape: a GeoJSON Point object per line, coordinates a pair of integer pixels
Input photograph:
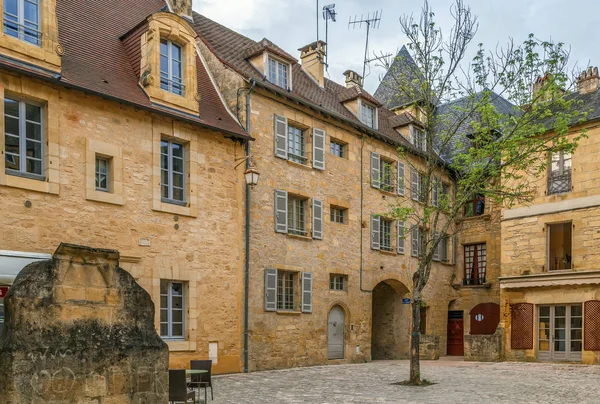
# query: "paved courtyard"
{"type": "Point", "coordinates": [456, 382]}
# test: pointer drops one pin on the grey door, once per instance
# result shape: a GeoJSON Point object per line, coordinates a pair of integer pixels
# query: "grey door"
{"type": "Point", "coordinates": [560, 332]}
{"type": "Point", "coordinates": [335, 333]}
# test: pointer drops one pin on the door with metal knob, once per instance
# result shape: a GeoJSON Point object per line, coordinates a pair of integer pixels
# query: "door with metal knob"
{"type": "Point", "coordinates": [335, 333]}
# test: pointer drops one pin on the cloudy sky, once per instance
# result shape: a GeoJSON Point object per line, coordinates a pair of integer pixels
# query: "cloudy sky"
{"type": "Point", "coordinates": [292, 24]}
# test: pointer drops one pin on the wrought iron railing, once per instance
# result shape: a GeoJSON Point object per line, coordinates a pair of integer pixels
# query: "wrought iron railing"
{"type": "Point", "coordinates": [470, 281]}
{"type": "Point", "coordinates": [21, 31]}
{"type": "Point", "coordinates": [558, 184]}
{"type": "Point", "coordinates": [172, 86]}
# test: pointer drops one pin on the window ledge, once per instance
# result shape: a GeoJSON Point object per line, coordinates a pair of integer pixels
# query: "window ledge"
{"type": "Point", "coordinates": [485, 216]}
{"type": "Point", "coordinates": [304, 166]}
{"type": "Point", "coordinates": [288, 312]}
{"type": "Point", "coordinates": [384, 191]}
{"type": "Point", "coordinates": [461, 286]}
{"type": "Point", "coordinates": [388, 252]}
{"type": "Point", "coordinates": [338, 291]}
{"type": "Point", "coordinates": [448, 264]}
{"type": "Point", "coordinates": [176, 345]}
{"type": "Point", "coordinates": [299, 237]}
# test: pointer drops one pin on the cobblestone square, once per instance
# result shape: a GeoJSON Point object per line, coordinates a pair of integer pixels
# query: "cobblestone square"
{"type": "Point", "coordinates": [456, 382]}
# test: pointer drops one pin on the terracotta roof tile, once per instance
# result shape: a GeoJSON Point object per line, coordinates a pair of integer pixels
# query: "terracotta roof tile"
{"type": "Point", "coordinates": [265, 44]}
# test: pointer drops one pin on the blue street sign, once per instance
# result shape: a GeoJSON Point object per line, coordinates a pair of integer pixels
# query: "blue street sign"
{"type": "Point", "coordinates": [405, 301]}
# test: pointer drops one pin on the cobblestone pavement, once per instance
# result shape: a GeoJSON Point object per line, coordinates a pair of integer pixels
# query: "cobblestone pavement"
{"type": "Point", "coordinates": [456, 382]}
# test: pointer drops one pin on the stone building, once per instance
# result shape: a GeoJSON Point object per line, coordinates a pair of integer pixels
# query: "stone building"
{"type": "Point", "coordinates": [549, 285]}
{"type": "Point", "coordinates": [114, 136]}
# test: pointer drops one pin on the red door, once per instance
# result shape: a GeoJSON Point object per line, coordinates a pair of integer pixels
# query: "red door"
{"type": "Point", "coordinates": [455, 335]}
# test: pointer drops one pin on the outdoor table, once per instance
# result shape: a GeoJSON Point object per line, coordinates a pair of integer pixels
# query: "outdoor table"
{"type": "Point", "coordinates": [195, 371]}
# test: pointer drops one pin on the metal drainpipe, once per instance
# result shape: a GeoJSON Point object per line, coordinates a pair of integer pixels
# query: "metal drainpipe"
{"type": "Point", "coordinates": [362, 145]}
{"type": "Point", "coordinates": [247, 258]}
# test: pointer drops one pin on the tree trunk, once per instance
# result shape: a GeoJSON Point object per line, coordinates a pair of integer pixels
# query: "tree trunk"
{"type": "Point", "coordinates": [415, 338]}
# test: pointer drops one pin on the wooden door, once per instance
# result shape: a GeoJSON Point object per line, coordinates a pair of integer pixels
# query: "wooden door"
{"type": "Point", "coordinates": [455, 334]}
{"type": "Point", "coordinates": [335, 333]}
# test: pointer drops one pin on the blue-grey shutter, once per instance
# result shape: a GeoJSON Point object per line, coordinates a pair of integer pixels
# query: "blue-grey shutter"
{"type": "Point", "coordinates": [434, 192]}
{"type": "Point", "coordinates": [414, 241]}
{"type": "Point", "coordinates": [270, 289]}
{"type": "Point", "coordinates": [401, 186]}
{"type": "Point", "coordinates": [375, 170]}
{"type": "Point", "coordinates": [436, 251]}
{"type": "Point", "coordinates": [375, 232]}
{"type": "Point", "coordinates": [281, 213]}
{"type": "Point", "coordinates": [317, 219]}
{"type": "Point", "coordinates": [400, 237]}
{"type": "Point", "coordinates": [411, 131]}
{"type": "Point", "coordinates": [281, 131]}
{"type": "Point", "coordinates": [318, 149]}
{"type": "Point", "coordinates": [414, 184]}
{"type": "Point", "coordinates": [306, 292]}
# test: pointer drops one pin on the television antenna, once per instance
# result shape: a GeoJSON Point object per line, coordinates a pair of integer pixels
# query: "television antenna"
{"type": "Point", "coordinates": [372, 21]}
{"type": "Point", "coordinates": [329, 13]}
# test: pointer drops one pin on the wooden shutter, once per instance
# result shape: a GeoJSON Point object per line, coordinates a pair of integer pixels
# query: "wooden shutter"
{"type": "Point", "coordinates": [317, 219]}
{"type": "Point", "coordinates": [281, 131]}
{"type": "Point", "coordinates": [281, 213]}
{"type": "Point", "coordinates": [436, 251]}
{"type": "Point", "coordinates": [375, 170]}
{"type": "Point", "coordinates": [401, 178]}
{"type": "Point", "coordinates": [270, 289]}
{"type": "Point", "coordinates": [400, 237]}
{"type": "Point", "coordinates": [411, 131]}
{"type": "Point", "coordinates": [591, 325]}
{"type": "Point", "coordinates": [375, 231]}
{"type": "Point", "coordinates": [306, 292]}
{"type": "Point", "coordinates": [414, 184]}
{"type": "Point", "coordinates": [414, 241]}
{"type": "Point", "coordinates": [434, 192]}
{"type": "Point", "coordinates": [318, 149]}
{"type": "Point", "coordinates": [521, 326]}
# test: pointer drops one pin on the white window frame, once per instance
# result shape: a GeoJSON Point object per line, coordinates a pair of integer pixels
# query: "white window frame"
{"type": "Point", "coordinates": [337, 282]}
{"type": "Point", "coordinates": [279, 64]}
{"type": "Point", "coordinates": [22, 24]}
{"type": "Point", "coordinates": [560, 181]}
{"type": "Point", "coordinates": [297, 215]}
{"type": "Point", "coordinates": [418, 138]}
{"type": "Point", "coordinates": [22, 135]}
{"type": "Point", "coordinates": [338, 215]}
{"type": "Point", "coordinates": [362, 104]}
{"type": "Point", "coordinates": [387, 183]}
{"type": "Point", "coordinates": [169, 169]}
{"type": "Point", "coordinates": [292, 134]}
{"type": "Point", "coordinates": [337, 148]}
{"type": "Point", "coordinates": [281, 301]}
{"type": "Point", "coordinates": [382, 235]}
{"type": "Point", "coordinates": [170, 310]}
{"type": "Point", "coordinates": [99, 174]}
{"type": "Point", "coordinates": [174, 84]}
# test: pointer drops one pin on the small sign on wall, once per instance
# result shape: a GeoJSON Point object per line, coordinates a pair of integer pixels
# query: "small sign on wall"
{"type": "Point", "coordinates": [3, 291]}
{"type": "Point", "coordinates": [406, 300]}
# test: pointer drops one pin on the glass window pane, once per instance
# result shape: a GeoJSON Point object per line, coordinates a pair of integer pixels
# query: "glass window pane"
{"type": "Point", "coordinates": [575, 346]}
{"type": "Point", "coordinates": [177, 302]}
{"type": "Point", "coordinates": [177, 150]}
{"type": "Point", "coordinates": [11, 125]}
{"type": "Point", "coordinates": [164, 49]}
{"type": "Point", "coordinates": [11, 144]}
{"type": "Point", "coordinates": [176, 52]}
{"type": "Point", "coordinates": [178, 194]}
{"type": "Point", "coordinates": [559, 346]}
{"type": "Point", "coordinates": [576, 322]}
{"type": "Point", "coordinates": [164, 316]}
{"type": "Point", "coordinates": [164, 330]}
{"type": "Point", "coordinates": [10, 6]}
{"type": "Point", "coordinates": [164, 147]}
{"type": "Point", "coordinates": [34, 131]}
{"type": "Point", "coordinates": [178, 180]}
{"type": "Point", "coordinates": [164, 65]}
{"type": "Point", "coordinates": [177, 165]}
{"type": "Point", "coordinates": [559, 334]}
{"type": "Point", "coordinates": [177, 289]}
{"type": "Point", "coordinates": [559, 322]}
{"type": "Point", "coordinates": [164, 177]}
{"type": "Point", "coordinates": [31, 12]}
{"type": "Point", "coordinates": [560, 311]}
{"type": "Point", "coordinates": [576, 311]}
{"type": "Point", "coordinates": [11, 107]}
{"type": "Point", "coordinates": [177, 330]}
{"type": "Point", "coordinates": [34, 167]}
{"type": "Point", "coordinates": [177, 316]}
{"type": "Point", "coordinates": [164, 161]}
{"type": "Point", "coordinates": [165, 192]}
{"type": "Point", "coordinates": [164, 302]}
{"type": "Point", "coordinates": [164, 287]}
{"type": "Point", "coordinates": [545, 311]}
{"type": "Point", "coordinates": [576, 334]}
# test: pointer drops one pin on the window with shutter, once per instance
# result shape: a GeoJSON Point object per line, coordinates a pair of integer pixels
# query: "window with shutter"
{"type": "Point", "coordinates": [281, 213]}
{"type": "Point", "coordinates": [307, 292]}
{"type": "Point", "coordinates": [318, 149]}
{"type": "Point", "coordinates": [434, 192]}
{"type": "Point", "coordinates": [415, 241]}
{"type": "Point", "coordinates": [317, 219]}
{"type": "Point", "coordinates": [400, 237]}
{"type": "Point", "coordinates": [281, 132]}
{"type": "Point", "coordinates": [270, 289]}
{"type": "Point", "coordinates": [436, 251]}
{"type": "Point", "coordinates": [375, 170]}
{"type": "Point", "coordinates": [400, 178]}
{"type": "Point", "coordinates": [415, 184]}
{"type": "Point", "coordinates": [375, 230]}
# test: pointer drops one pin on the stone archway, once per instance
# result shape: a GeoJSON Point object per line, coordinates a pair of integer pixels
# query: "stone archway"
{"type": "Point", "coordinates": [390, 330]}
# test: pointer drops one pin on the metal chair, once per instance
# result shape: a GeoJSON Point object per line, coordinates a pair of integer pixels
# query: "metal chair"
{"type": "Point", "coordinates": [202, 380]}
{"type": "Point", "coordinates": [178, 389]}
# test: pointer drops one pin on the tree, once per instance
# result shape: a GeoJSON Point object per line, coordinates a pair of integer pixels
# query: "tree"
{"type": "Point", "coordinates": [487, 145]}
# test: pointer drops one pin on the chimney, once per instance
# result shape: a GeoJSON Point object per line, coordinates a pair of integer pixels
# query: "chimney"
{"type": "Point", "coordinates": [352, 78]}
{"type": "Point", "coordinates": [312, 57]}
{"type": "Point", "coordinates": [588, 81]}
{"type": "Point", "coordinates": [181, 7]}
{"type": "Point", "coordinates": [539, 85]}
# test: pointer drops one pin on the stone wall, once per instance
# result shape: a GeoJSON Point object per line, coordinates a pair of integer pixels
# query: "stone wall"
{"type": "Point", "coordinates": [484, 348]}
{"type": "Point", "coordinates": [429, 347]}
{"type": "Point", "coordinates": [80, 330]}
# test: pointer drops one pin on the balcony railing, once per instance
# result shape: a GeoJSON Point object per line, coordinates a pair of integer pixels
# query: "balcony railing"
{"type": "Point", "coordinates": [23, 32]}
{"type": "Point", "coordinates": [172, 86]}
{"type": "Point", "coordinates": [558, 184]}
{"type": "Point", "coordinates": [469, 281]}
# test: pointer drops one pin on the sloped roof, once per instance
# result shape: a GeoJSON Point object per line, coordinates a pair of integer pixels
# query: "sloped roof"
{"type": "Point", "coordinates": [354, 92]}
{"type": "Point", "coordinates": [263, 44]}
{"type": "Point", "coordinates": [229, 47]}
{"type": "Point", "coordinates": [402, 69]}
{"type": "Point", "coordinates": [96, 60]}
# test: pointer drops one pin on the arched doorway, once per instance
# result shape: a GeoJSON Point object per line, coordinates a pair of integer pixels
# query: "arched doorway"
{"type": "Point", "coordinates": [390, 331]}
{"type": "Point", "coordinates": [335, 333]}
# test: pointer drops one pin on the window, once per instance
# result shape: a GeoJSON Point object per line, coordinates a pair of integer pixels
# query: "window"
{"type": "Point", "coordinates": [387, 175]}
{"type": "Point", "coordinates": [171, 67]}
{"type": "Point", "coordinates": [172, 161]}
{"type": "Point", "coordinates": [338, 215]}
{"type": "Point", "coordinates": [475, 264]}
{"type": "Point", "coordinates": [23, 138]}
{"type": "Point", "coordinates": [475, 207]}
{"type": "Point", "coordinates": [385, 235]}
{"type": "Point", "coordinates": [297, 216]}
{"type": "Point", "coordinates": [559, 176]}
{"type": "Point", "coordinates": [171, 309]}
{"type": "Point", "coordinates": [559, 246]}
{"type": "Point", "coordinates": [418, 138]}
{"type": "Point", "coordinates": [416, 241]}
{"type": "Point", "coordinates": [337, 149]}
{"type": "Point", "coordinates": [367, 115]}
{"type": "Point", "coordinates": [296, 145]}
{"type": "Point", "coordinates": [445, 197]}
{"type": "Point", "coordinates": [417, 191]}
{"type": "Point", "coordinates": [102, 180]}
{"type": "Point", "coordinates": [443, 248]}
{"type": "Point", "coordinates": [337, 282]}
{"type": "Point", "coordinates": [278, 73]}
{"type": "Point", "coordinates": [285, 290]}
{"type": "Point", "coordinates": [22, 20]}
{"type": "Point", "coordinates": [423, 321]}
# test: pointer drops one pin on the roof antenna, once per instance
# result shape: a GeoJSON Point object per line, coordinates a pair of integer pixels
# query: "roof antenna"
{"type": "Point", "coordinates": [317, 20]}
{"type": "Point", "coordinates": [372, 21]}
{"type": "Point", "coordinates": [329, 13]}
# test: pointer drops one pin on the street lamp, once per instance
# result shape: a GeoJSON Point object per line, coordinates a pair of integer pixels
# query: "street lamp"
{"type": "Point", "coordinates": [251, 175]}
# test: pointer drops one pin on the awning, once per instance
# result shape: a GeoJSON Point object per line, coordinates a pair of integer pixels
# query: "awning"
{"type": "Point", "coordinates": [11, 263]}
{"type": "Point", "coordinates": [558, 278]}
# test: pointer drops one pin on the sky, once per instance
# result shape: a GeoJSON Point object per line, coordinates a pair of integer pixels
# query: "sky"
{"type": "Point", "coordinates": [291, 24]}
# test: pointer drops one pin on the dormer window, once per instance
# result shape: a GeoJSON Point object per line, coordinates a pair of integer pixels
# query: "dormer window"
{"type": "Point", "coordinates": [278, 73]}
{"type": "Point", "coordinates": [22, 20]}
{"type": "Point", "coordinates": [417, 138]}
{"type": "Point", "coordinates": [368, 115]}
{"type": "Point", "coordinates": [171, 70]}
